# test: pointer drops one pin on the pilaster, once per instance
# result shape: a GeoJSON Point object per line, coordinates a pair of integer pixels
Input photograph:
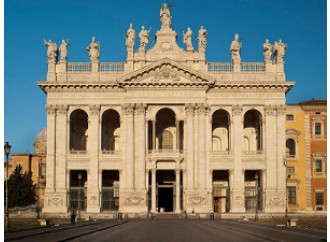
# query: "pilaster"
{"type": "Point", "coordinates": [308, 166]}
{"type": "Point", "coordinates": [93, 190]}
{"type": "Point", "coordinates": [190, 145]}
{"type": "Point", "coordinates": [238, 174]}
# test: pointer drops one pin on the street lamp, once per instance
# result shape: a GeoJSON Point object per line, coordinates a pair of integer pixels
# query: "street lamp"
{"type": "Point", "coordinates": [79, 179]}
{"type": "Point", "coordinates": [7, 152]}
{"type": "Point", "coordinates": [256, 177]}
{"type": "Point", "coordinates": [286, 187]}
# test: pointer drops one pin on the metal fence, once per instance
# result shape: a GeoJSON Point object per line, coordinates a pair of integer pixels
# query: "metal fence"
{"type": "Point", "coordinates": [110, 199]}
{"type": "Point", "coordinates": [253, 198]}
{"type": "Point", "coordinates": [78, 198]}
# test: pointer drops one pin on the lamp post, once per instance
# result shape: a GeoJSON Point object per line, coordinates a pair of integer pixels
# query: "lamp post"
{"type": "Point", "coordinates": [286, 187]}
{"type": "Point", "coordinates": [7, 148]}
{"type": "Point", "coordinates": [79, 179]}
{"type": "Point", "coordinates": [256, 177]}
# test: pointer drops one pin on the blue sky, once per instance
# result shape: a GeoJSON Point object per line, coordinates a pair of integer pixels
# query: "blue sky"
{"type": "Point", "coordinates": [300, 23]}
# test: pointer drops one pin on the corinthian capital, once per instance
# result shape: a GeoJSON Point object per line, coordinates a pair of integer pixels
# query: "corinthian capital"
{"type": "Point", "coordinates": [62, 109]}
{"type": "Point", "coordinates": [128, 108]}
{"type": "Point", "coordinates": [50, 108]}
{"type": "Point", "coordinates": [190, 108]}
{"type": "Point", "coordinates": [94, 109]}
{"type": "Point", "coordinates": [237, 109]}
{"type": "Point", "coordinates": [270, 109]}
{"type": "Point", "coordinates": [140, 108]}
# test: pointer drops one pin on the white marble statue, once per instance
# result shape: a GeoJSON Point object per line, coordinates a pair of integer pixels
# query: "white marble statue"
{"type": "Point", "coordinates": [235, 48]}
{"type": "Point", "coordinates": [202, 34]}
{"type": "Point", "coordinates": [165, 16]}
{"type": "Point", "coordinates": [51, 50]}
{"type": "Point", "coordinates": [279, 51]}
{"type": "Point", "coordinates": [144, 38]}
{"type": "Point", "coordinates": [267, 51]}
{"type": "Point", "coordinates": [187, 39]}
{"type": "Point", "coordinates": [93, 50]}
{"type": "Point", "coordinates": [130, 37]}
{"type": "Point", "coordinates": [64, 49]}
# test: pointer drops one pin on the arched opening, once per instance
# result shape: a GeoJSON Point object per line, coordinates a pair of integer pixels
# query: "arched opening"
{"type": "Point", "coordinates": [220, 130]}
{"type": "Point", "coordinates": [290, 147]}
{"type": "Point", "coordinates": [253, 130]}
{"type": "Point", "coordinates": [110, 137]}
{"type": "Point", "coordinates": [78, 130]}
{"type": "Point", "coordinates": [166, 129]}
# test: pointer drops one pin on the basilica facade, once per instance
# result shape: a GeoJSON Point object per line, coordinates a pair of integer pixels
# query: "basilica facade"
{"type": "Point", "coordinates": [166, 130]}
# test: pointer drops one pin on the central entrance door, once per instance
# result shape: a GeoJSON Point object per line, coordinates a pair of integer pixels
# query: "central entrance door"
{"type": "Point", "coordinates": [165, 190]}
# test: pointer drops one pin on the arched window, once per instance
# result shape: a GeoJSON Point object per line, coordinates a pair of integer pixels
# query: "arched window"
{"type": "Point", "coordinates": [110, 138]}
{"type": "Point", "coordinates": [78, 130]}
{"type": "Point", "coordinates": [166, 128]}
{"type": "Point", "coordinates": [253, 129]}
{"type": "Point", "coordinates": [291, 147]}
{"type": "Point", "coordinates": [166, 140]}
{"type": "Point", "coordinates": [220, 130]}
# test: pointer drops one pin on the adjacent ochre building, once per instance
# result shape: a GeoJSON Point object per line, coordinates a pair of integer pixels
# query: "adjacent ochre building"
{"type": "Point", "coordinates": [166, 130]}
{"type": "Point", "coordinates": [306, 144]}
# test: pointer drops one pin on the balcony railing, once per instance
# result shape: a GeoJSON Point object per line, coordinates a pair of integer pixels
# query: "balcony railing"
{"type": "Point", "coordinates": [78, 152]}
{"type": "Point", "coordinates": [252, 152]}
{"type": "Point", "coordinates": [79, 67]}
{"type": "Point", "coordinates": [165, 151]}
{"type": "Point", "coordinates": [219, 67]}
{"type": "Point", "coordinates": [253, 67]}
{"type": "Point", "coordinates": [110, 152]}
{"type": "Point", "coordinates": [111, 67]}
{"type": "Point", "coordinates": [228, 67]}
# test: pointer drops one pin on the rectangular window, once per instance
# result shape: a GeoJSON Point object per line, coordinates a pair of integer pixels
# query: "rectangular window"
{"type": "Point", "coordinates": [291, 170]}
{"type": "Point", "coordinates": [319, 198]}
{"type": "Point", "coordinates": [289, 117]}
{"type": "Point", "coordinates": [318, 166]}
{"type": "Point", "coordinates": [317, 129]}
{"type": "Point", "coordinates": [292, 195]}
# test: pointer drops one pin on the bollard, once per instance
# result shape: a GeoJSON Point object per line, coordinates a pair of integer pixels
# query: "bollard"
{"type": "Point", "coordinates": [211, 216]}
{"type": "Point", "coordinates": [120, 216]}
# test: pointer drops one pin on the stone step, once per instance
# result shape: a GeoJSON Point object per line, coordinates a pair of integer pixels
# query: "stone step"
{"type": "Point", "coordinates": [167, 216]}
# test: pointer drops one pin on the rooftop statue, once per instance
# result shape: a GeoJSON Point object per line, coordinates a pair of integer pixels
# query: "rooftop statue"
{"type": "Point", "coordinates": [144, 38]}
{"type": "Point", "coordinates": [51, 50]}
{"type": "Point", "coordinates": [267, 51]}
{"type": "Point", "coordinates": [94, 50]}
{"type": "Point", "coordinates": [187, 39]}
{"type": "Point", "coordinates": [130, 37]}
{"type": "Point", "coordinates": [165, 16]}
{"type": "Point", "coordinates": [64, 49]}
{"type": "Point", "coordinates": [235, 48]}
{"type": "Point", "coordinates": [279, 51]}
{"type": "Point", "coordinates": [202, 34]}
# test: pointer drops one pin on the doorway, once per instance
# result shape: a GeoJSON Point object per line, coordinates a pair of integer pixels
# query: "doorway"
{"type": "Point", "coordinates": [165, 190]}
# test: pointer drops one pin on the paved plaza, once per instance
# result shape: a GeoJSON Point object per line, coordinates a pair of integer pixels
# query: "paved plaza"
{"type": "Point", "coordinates": [169, 230]}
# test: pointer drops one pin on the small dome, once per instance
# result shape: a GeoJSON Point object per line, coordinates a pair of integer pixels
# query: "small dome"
{"type": "Point", "coordinates": [41, 136]}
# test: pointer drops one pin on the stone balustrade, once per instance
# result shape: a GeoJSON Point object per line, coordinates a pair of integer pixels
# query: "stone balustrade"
{"type": "Point", "coordinates": [216, 67]}
{"type": "Point", "coordinates": [79, 67]}
{"type": "Point", "coordinates": [103, 67]}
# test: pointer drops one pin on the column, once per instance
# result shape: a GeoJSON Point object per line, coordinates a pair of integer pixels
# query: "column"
{"type": "Point", "coordinates": [196, 147]}
{"type": "Point", "coordinates": [271, 136]}
{"type": "Point", "coordinates": [177, 126]}
{"type": "Point", "coordinates": [51, 149]}
{"type": "Point", "coordinates": [190, 146]}
{"type": "Point", "coordinates": [153, 190]}
{"type": "Point", "coordinates": [238, 174]}
{"type": "Point", "coordinates": [153, 134]}
{"type": "Point", "coordinates": [140, 126]}
{"type": "Point", "coordinates": [208, 134]}
{"type": "Point", "coordinates": [129, 146]}
{"type": "Point", "coordinates": [202, 153]}
{"type": "Point", "coordinates": [177, 191]}
{"type": "Point", "coordinates": [93, 147]}
{"type": "Point", "coordinates": [281, 153]}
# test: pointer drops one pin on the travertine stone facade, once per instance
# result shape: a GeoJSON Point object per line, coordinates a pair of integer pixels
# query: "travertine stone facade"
{"type": "Point", "coordinates": [168, 130]}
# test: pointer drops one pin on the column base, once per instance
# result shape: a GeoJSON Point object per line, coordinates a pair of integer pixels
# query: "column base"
{"type": "Point", "coordinates": [93, 200]}
{"type": "Point", "coordinates": [198, 201]}
{"type": "Point", "coordinates": [133, 201]}
{"type": "Point", "coordinates": [275, 201]}
{"type": "Point", "coordinates": [55, 202]}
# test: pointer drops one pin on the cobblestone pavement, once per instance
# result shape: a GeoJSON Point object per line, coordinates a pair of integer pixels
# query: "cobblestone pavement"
{"type": "Point", "coordinates": [169, 230]}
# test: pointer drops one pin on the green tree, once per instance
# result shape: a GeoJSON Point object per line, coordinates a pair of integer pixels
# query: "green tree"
{"type": "Point", "coordinates": [21, 190]}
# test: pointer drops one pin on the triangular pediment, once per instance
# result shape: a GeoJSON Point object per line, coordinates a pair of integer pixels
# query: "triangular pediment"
{"type": "Point", "coordinates": [166, 72]}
